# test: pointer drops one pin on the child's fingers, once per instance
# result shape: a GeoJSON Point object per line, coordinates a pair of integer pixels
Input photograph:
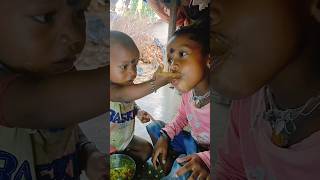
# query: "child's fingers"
{"type": "Point", "coordinates": [184, 159]}
{"type": "Point", "coordinates": [155, 159]}
{"type": "Point", "coordinates": [175, 75]}
{"type": "Point", "coordinates": [145, 120]}
{"type": "Point", "coordinates": [149, 117]}
{"type": "Point", "coordinates": [163, 157]}
{"type": "Point", "coordinates": [202, 176]}
{"type": "Point", "coordinates": [167, 73]}
{"type": "Point", "coordinates": [160, 69]}
{"type": "Point", "coordinates": [194, 176]}
{"type": "Point", "coordinates": [145, 115]}
{"type": "Point", "coordinates": [184, 169]}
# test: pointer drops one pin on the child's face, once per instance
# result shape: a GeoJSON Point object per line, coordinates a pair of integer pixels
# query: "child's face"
{"type": "Point", "coordinates": [185, 57]}
{"type": "Point", "coordinates": [41, 36]}
{"type": "Point", "coordinates": [253, 40]}
{"type": "Point", "coordinates": [123, 64]}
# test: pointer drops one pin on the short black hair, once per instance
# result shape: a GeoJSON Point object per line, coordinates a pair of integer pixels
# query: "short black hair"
{"type": "Point", "coordinates": [198, 32]}
{"type": "Point", "coordinates": [123, 39]}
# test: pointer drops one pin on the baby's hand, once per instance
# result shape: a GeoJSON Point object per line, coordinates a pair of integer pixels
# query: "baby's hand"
{"type": "Point", "coordinates": [195, 164]}
{"type": "Point", "coordinates": [161, 75]}
{"type": "Point", "coordinates": [97, 166]}
{"type": "Point", "coordinates": [144, 116]}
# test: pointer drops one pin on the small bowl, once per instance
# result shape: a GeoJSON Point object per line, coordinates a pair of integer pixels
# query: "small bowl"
{"type": "Point", "coordinates": [122, 167]}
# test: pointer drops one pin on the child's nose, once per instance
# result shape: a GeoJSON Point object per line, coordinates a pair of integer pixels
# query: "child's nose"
{"type": "Point", "coordinates": [132, 74]}
{"type": "Point", "coordinates": [174, 68]}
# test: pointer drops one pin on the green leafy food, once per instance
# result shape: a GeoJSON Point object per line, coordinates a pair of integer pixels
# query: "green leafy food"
{"type": "Point", "coordinates": [123, 173]}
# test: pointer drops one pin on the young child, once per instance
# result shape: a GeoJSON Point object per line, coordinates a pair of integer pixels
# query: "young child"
{"type": "Point", "coordinates": [42, 98]}
{"type": "Point", "coordinates": [267, 55]}
{"type": "Point", "coordinates": [188, 53]}
{"type": "Point", "coordinates": [124, 56]}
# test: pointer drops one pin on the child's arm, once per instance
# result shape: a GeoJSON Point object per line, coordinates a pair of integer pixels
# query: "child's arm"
{"type": "Point", "coordinates": [179, 122]}
{"type": "Point", "coordinates": [170, 130]}
{"type": "Point", "coordinates": [56, 101]}
{"type": "Point", "coordinates": [133, 92]}
{"type": "Point", "coordinates": [156, 6]}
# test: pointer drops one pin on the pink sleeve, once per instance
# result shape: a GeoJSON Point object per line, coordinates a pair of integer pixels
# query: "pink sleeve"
{"type": "Point", "coordinates": [229, 164]}
{"type": "Point", "coordinates": [205, 156]}
{"type": "Point", "coordinates": [4, 83]}
{"type": "Point", "coordinates": [180, 121]}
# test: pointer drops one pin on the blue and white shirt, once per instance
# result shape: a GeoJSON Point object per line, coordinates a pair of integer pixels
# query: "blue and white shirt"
{"type": "Point", "coordinates": [122, 121]}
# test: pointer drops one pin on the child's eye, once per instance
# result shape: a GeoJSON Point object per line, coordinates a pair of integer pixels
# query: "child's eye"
{"type": "Point", "coordinates": [123, 67]}
{"type": "Point", "coordinates": [44, 19]}
{"type": "Point", "coordinates": [183, 54]}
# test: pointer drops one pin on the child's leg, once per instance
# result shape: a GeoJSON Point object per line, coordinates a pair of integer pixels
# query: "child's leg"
{"type": "Point", "coordinates": [179, 143]}
{"type": "Point", "coordinates": [154, 130]}
{"type": "Point", "coordinates": [139, 149]}
{"type": "Point", "coordinates": [190, 147]}
{"type": "Point", "coordinates": [183, 143]}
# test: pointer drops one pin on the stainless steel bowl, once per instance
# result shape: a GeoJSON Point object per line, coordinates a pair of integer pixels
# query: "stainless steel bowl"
{"type": "Point", "coordinates": [122, 167]}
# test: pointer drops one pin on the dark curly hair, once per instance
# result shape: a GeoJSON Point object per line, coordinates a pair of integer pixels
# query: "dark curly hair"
{"type": "Point", "coordinates": [198, 32]}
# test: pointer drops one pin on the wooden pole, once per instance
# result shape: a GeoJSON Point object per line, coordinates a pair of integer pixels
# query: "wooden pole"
{"type": "Point", "coordinates": [173, 17]}
{"type": "Point", "coordinates": [172, 27]}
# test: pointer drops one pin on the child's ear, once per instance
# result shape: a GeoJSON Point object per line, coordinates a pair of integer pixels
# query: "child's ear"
{"type": "Point", "coordinates": [315, 9]}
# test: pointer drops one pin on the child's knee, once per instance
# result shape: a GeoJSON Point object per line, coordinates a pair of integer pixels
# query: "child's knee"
{"type": "Point", "coordinates": [155, 125]}
{"type": "Point", "coordinates": [147, 151]}
{"type": "Point", "coordinates": [154, 128]}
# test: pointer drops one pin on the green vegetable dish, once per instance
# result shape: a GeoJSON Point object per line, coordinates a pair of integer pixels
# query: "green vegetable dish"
{"type": "Point", "coordinates": [122, 167]}
{"type": "Point", "coordinates": [123, 173]}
